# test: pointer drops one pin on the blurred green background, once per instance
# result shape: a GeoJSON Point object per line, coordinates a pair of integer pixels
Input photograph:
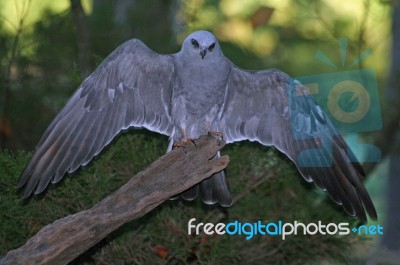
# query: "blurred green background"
{"type": "Point", "coordinates": [48, 47]}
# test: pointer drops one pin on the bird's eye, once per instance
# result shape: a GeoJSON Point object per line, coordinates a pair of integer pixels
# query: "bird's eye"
{"type": "Point", "coordinates": [195, 43]}
{"type": "Point", "coordinates": [212, 46]}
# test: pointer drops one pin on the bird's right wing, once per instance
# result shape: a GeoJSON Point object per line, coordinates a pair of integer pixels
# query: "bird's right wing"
{"type": "Point", "coordinates": [131, 88]}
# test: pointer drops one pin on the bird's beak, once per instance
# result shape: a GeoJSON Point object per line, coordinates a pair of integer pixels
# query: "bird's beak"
{"type": "Point", "coordinates": [203, 53]}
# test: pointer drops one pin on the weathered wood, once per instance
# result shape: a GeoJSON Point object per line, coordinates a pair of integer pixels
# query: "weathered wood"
{"type": "Point", "coordinates": [67, 238]}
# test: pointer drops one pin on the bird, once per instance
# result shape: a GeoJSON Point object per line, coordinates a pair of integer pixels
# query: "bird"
{"type": "Point", "coordinates": [185, 95]}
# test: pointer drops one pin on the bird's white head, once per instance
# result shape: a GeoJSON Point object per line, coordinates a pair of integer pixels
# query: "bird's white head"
{"type": "Point", "coordinates": [202, 44]}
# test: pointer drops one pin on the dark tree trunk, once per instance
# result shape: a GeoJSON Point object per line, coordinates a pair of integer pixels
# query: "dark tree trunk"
{"type": "Point", "coordinates": [388, 249]}
{"type": "Point", "coordinates": [82, 38]}
{"type": "Point", "coordinates": [391, 237]}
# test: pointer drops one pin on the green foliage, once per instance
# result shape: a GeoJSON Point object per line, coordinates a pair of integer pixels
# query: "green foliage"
{"type": "Point", "coordinates": [265, 187]}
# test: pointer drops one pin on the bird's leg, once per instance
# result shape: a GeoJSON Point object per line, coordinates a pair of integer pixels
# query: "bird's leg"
{"type": "Point", "coordinates": [208, 126]}
{"type": "Point", "coordinates": [185, 140]}
{"type": "Point", "coordinates": [215, 134]}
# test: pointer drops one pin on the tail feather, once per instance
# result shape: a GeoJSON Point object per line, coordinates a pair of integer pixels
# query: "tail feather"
{"type": "Point", "coordinates": [212, 190]}
{"type": "Point", "coordinates": [191, 193]}
{"type": "Point", "coordinates": [215, 190]}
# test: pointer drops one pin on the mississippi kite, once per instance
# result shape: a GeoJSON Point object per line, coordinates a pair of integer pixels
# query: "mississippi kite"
{"type": "Point", "coordinates": [185, 95]}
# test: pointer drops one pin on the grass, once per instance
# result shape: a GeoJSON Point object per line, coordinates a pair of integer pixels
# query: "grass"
{"type": "Point", "coordinates": [264, 184]}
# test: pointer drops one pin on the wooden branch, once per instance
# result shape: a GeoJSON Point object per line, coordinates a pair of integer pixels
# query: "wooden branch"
{"type": "Point", "coordinates": [67, 238]}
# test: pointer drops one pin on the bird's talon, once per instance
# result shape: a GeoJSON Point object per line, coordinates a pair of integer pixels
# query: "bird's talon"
{"type": "Point", "coordinates": [218, 135]}
{"type": "Point", "coordinates": [177, 144]}
{"type": "Point", "coordinates": [184, 142]}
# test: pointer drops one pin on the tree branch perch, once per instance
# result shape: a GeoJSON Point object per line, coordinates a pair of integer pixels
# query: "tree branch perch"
{"type": "Point", "coordinates": [67, 238]}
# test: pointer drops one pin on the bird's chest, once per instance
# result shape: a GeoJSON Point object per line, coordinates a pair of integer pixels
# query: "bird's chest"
{"type": "Point", "coordinates": [197, 98]}
{"type": "Point", "coordinates": [199, 90]}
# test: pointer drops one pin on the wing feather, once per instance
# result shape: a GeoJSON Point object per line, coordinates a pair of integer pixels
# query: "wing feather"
{"type": "Point", "coordinates": [275, 110]}
{"type": "Point", "coordinates": [131, 88]}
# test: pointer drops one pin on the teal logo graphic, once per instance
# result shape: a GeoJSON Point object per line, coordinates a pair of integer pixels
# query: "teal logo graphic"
{"type": "Point", "coordinates": [280, 228]}
{"type": "Point", "coordinates": [350, 99]}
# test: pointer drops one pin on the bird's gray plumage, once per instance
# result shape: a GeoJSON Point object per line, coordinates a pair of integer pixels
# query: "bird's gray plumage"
{"type": "Point", "coordinates": [185, 95]}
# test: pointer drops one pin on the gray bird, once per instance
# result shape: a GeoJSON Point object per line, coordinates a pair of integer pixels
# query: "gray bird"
{"type": "Point", "coordinates": [185, 95]}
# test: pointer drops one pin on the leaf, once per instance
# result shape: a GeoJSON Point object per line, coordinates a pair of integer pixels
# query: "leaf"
{"type": "Point", "coordinates": [261, 16]}
{"type": "Point", "coordinates": [161, 251]}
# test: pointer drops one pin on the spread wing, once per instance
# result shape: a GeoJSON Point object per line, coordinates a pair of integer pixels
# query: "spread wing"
{"type": "Point", "coordinates": [271, 108]}
{"type": "Point", "coordinates": [131, 87]}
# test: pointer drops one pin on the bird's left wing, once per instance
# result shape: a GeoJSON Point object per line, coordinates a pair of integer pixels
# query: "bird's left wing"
{"type": "Point", "coordinates": [131, 88]}
{"type": "Point", "coordinates": [271, 108]}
